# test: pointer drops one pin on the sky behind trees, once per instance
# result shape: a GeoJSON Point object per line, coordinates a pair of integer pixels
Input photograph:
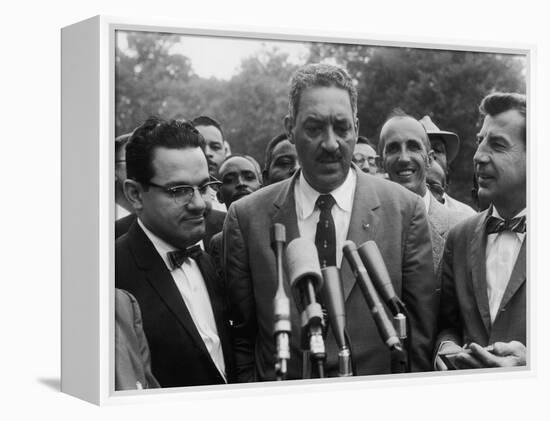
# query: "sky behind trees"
{"type": "Point", "coordinates": [243, 84]}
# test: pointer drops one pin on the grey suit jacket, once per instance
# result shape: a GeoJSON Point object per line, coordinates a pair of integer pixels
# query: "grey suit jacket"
{"type": "Point", "coordinates": [382, 211]}
{"type": "Point", "coordinates": [441, 220]}
{"type": "Point", "coordinates": [132, 356]}
{"type": "Point", "coordinates": [464, 309]}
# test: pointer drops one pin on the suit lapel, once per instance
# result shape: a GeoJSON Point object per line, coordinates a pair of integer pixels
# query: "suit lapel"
{"type": "Point", "coordinates": [478, 244]}
{"type": "Point", "coordinates": [285, 210]}
{"type": "Point", "coordinates": [363, 224]}
{"type": "Point", "coordinates": [161, 280]}
{"type": "Point", "coordinates": [438, 226]}
{"type": "Point", "coordinates": [213, 284]}
{"type": "Point", "coordinates": [517, 278]}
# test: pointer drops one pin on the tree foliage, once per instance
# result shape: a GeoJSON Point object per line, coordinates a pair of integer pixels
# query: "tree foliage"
{"type": "Point", "coordinates": [447, 85]}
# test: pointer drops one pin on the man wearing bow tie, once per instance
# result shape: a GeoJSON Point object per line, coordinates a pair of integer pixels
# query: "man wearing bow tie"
{"type": "Point", "coordinates": [176, 285]}
{"type": "Point", "coordinates": [483, 304]}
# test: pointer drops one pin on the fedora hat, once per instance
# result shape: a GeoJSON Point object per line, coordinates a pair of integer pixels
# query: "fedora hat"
{"type": "Point", "coordinates": [452, 141]}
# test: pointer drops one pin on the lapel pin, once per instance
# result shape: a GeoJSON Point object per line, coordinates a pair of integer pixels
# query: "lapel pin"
{"type": "Point", "coordinates": [366, 226]}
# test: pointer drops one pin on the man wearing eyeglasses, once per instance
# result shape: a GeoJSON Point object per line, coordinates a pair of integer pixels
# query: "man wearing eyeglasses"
{"type": "Point", "coordinates": [364, 156]}
{"type": "Point", "coordinates": [174, 282]}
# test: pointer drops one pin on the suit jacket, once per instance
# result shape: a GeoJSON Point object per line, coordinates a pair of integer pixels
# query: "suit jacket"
{"type": "Point", "coordinates": [464, 310]}
{"type": "Point", "coordinates": [382, 211]}
{"type": "Point", "coordinates": [132, 357]}
{"type": "Point", "coordinates": [441, 221]}
{"type": "Point", "coordinates": [458, 206]}
{"type": "Point", "coordinates": [213, 223]}
{"type": "Point", "coordinates": [178, 354]}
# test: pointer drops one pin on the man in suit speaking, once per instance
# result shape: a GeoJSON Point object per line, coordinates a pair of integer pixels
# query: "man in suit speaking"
{"type": "Point", "coordinates": [322, 123]}
{"type": "Point", "coordinates": [483, 304]}
{"type": "Point", "coordinates": [175, 284]}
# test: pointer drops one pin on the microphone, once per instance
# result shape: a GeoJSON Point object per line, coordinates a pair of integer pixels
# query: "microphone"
{"type": "Point", "coordinates": [332, 296]}
{"type": "Point", "coordinates": [385, 328]}
{"type": "Point", "coordinates": [281, 306]}
{"type": "Point", "coordinates": [378, 272]}
{"type": "Point", "coordinates": [304, 272]}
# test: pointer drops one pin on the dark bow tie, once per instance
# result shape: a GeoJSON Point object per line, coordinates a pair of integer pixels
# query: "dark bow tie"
{"type": "Point", "coordinates": [496, 225]}
{"type": "Point", "coordinates": [177, 257]}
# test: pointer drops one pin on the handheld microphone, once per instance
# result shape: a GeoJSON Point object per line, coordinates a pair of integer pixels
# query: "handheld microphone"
{"type": "Point", "coordinates": [281, 306]}
{"type": "Point", "coordinates": [332, 296]}
{"type": "Point", "coordinates": [304, 272]}
{"type": "Point", "coordinates": [385, 328]}
{"type": "Point", "coordinates": [378, 272]}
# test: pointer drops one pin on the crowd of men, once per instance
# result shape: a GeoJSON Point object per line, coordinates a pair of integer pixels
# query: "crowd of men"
{"type": "Point", "coordinates": [196, 273]}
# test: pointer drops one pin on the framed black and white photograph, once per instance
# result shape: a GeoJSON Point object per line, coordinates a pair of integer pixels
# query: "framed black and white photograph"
{"type": "Point", "coordinates": [269, 212]}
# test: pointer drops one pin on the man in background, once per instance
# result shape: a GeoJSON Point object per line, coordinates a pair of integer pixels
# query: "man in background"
{"type": "Point", "coordinates": [483, 302]}
{"type": "Point", "coordinates": [436, 181]}
{"type": "Point", "coordinates": [281, 160]}
{"type": "Point", "coordinates": [407, 156]}
{"type": "Point", "coordinates": [240, 176]}
{"type": "Point", "coordinates": [216, 149]}
{"type": "Point", "coordinates": [445, 146]}
{"type": "Point", "coordinates": [364, 156]}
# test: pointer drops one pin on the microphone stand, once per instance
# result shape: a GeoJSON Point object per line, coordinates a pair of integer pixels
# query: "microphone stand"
{"type": "Point", "coordinates": [332, 296]}
{"type": "Point", "coordinates": [313, 344]}
{"type": "Point", "coordinates": [385, 328]}
{"type": "Point", "coordinates": [376, 268]}
{"type": "Point", "coordinates": [281, 306]}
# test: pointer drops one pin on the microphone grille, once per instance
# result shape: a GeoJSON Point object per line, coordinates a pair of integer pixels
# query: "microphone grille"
{"type": "Point", "coordinates": [302, 262]}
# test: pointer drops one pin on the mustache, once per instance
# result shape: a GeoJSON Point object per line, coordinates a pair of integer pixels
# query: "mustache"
{"type": "Point", "coordinates": [242, 190]}
{"type": "Point", "coordinates": [325, 156]}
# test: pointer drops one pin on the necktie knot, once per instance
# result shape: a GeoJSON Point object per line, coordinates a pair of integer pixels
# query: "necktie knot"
{"type": "Point", "coordinates": [325, 202]}
{"type": "Point", "coordinates": [177, 257]}
{"type": "Point", "coordinates": [496, 225]}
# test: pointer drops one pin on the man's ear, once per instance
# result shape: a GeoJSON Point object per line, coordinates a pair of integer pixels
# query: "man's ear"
{"type": "Point", "coordinates": [134, 193]}
{"type": "Point", "coordinates": [288, 122]}
{"type": "Point", "coordinates": [431, 158]}
{"type": "Point", "coordinates": [357, 126]}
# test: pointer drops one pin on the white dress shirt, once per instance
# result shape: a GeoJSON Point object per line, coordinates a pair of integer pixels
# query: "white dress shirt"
{"type": "Point", "coordinates": [501, 254]}
{"type": "Point", "coordinates": [308, 215]}
{"type": "Point", "coordinates": [190, 283]}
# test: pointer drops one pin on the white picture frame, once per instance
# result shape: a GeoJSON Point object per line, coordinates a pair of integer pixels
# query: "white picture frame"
{"type": "Point", "coordinates": [88, 209]}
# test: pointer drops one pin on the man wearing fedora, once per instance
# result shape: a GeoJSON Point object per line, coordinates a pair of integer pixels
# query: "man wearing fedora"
{"type": "Point", "coordinates": [445, 146]}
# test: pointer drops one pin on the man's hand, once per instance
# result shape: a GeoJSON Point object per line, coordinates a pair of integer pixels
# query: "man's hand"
{"type": "Point", "coordinates": [501, 354]}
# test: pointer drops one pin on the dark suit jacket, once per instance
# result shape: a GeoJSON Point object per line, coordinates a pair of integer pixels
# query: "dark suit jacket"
{"type": "Point", "coordinates": [213, 223]}
{"type": "Point", "coordinates": [132, 356]}
{"type": "Point", "coordinates": [382, 211]}
{"type": "Point", "coordinates": [464, 311]}
{"type": "Point", "coordinates": [178, 354]}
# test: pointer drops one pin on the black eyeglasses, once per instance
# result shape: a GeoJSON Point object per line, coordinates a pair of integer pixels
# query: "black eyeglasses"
{"type": "Point", "coordinates": [183, 194]}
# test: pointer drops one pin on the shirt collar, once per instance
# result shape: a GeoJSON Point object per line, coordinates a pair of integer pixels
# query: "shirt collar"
{"type": "Point", "coordinates": [427, 200]}
{"type": "Point", "coordinates": [161, 246]}
{"type": "Point", "coordinates": [495, 213]}
{"type": "Point", "coordinates": [343, 195]}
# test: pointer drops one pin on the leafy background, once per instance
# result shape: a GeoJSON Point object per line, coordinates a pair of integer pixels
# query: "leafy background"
{"type": "Point", "coordinates": [152, 79]}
